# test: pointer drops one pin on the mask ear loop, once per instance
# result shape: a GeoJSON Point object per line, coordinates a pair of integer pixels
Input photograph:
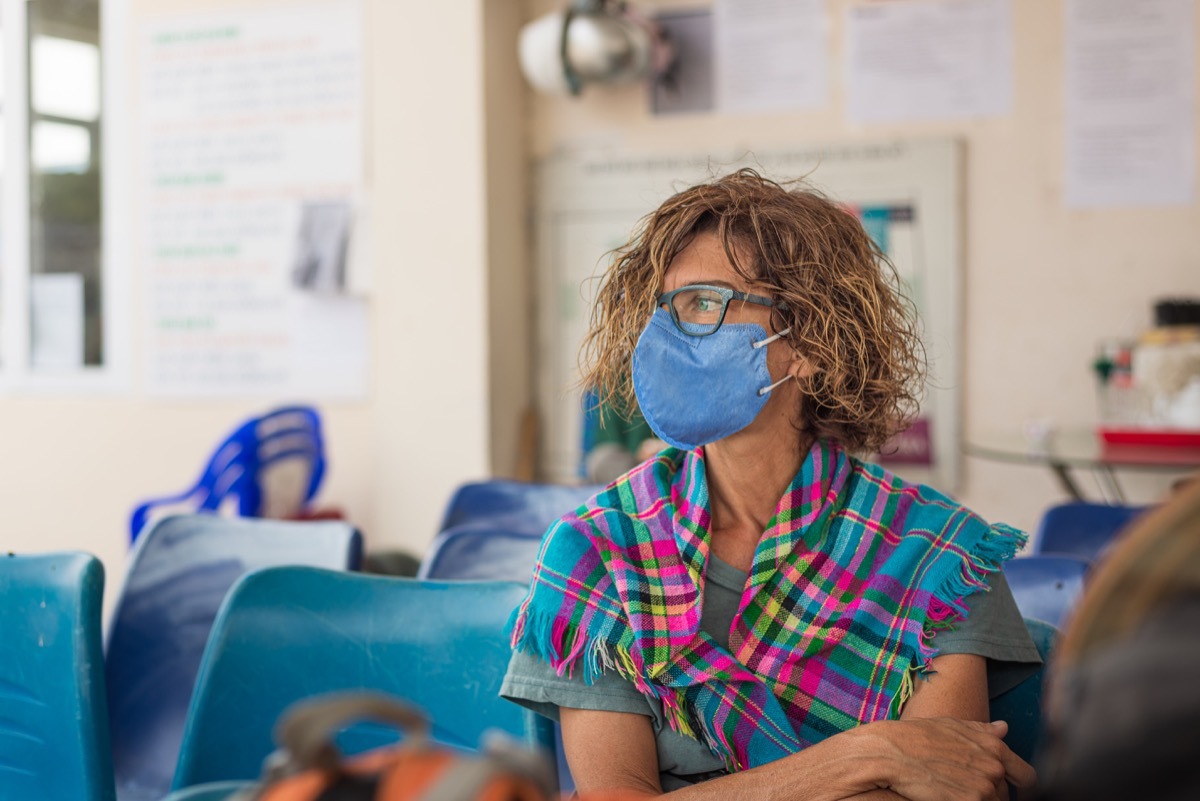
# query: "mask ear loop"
{"type": "Point", "coordinates": [762, 344]}
{"type": "Point", "coordinates": [765, 390]}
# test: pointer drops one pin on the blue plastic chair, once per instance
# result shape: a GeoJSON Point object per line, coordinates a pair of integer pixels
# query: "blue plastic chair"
{"type": "Point", "coordinates": [1021, 706]}
{"type": "Point", "coordinates": [237, 466]}
{"type": "Point", "coordinates": [291, 633]}
{"type": "Point", "coordinates": [53, 721]}
{"type": "Point", "coordinates": [480, 552]}
{"type": "Point", "coordinates": [212, 791]}
{"type": "Point", "coordinates": [1046, 586]}
{"type": "Point", "coordinates": [515, 505]}
{"type": "Point", "coordinates": [1082, 529]}
{"type": "Point", "coordinates": [179, 574]}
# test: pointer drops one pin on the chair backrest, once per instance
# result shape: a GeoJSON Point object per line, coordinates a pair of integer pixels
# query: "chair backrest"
{"type": "Point", "coordinates": [516, 505]}
{"type": "Point", "coordinates": [1021, 706]}
{"type": "Point", "coordinates": [1046, 586]}
{"type": "Point", "coordinates": [1082, 529]}
{"type": "Point", "coordinates": [179, 574]}
{"type": "Point", "coordinates": [53, 723]}
{"type": "Point", "coordinates": [291, 633]}
{"type": "Point", "coordinates": [239, 466]}
{"type": "Point", "coordinates": [481, 552]}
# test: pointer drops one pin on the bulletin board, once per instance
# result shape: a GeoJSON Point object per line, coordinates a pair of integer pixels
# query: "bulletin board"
{"type": "Point", "coordinates": [251, 127]}
{"type": "Point", "coordinates": [908, 195]}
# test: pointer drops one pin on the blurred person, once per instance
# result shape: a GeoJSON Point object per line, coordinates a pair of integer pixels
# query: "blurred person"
{"type": "Point", "coordinates": [755, 612]}
{"type": "Point", "coordinates": [1181, 484]}
{"type": "Point", "coordinates": [1124, 698]}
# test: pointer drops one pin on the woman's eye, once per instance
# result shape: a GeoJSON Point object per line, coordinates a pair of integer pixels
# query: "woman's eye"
{"type": "Point", "coordinates": [706, 302]}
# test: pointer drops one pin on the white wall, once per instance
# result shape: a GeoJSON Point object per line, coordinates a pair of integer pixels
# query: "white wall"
{"type": "Point", "coordinates": [450, 131]}
{"type": "Point", "coordinates": [75, 466]}
{"type": "Point", "coordinates": [1043, 283]}
{"type": "Point", "coordinates": [429, 415]}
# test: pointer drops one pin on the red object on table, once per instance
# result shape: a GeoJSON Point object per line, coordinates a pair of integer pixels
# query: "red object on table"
{"type": "Point", "coordinates": [1157, 437]}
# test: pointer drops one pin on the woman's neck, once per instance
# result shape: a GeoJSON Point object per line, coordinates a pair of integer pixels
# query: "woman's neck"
{"type": "Point", "coordinates": [747, 475]}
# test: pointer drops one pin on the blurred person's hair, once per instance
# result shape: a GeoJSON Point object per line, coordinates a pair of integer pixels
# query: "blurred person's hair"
{"type": "Point", "coordinates": [1123, 707]}
{"type": "Point", "coordinates": [837, 292]}
{"type": "Point", "coordinates": [1155, 562]}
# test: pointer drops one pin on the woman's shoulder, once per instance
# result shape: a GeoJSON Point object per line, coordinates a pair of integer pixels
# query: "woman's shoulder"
{"type": "Point", "coordinates": [918, 505]}
{"type": "Point", "coordinates": [864, 472]}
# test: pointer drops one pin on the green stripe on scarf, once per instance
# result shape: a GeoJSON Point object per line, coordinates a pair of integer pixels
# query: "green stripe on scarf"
{"type": "Point", "coordinates": [854, 573]}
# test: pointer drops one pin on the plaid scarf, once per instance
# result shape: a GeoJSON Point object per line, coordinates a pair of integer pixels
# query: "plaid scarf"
{"type": "Point", "coordinates": [854, 573]}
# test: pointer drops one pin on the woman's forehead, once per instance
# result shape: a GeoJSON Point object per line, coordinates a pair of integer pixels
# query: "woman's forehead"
{"type": "Point", "coordinates": [703, 261]}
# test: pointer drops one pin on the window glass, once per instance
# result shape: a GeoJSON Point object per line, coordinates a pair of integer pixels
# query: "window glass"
{"type": "Point", "coordinates": [65, 77]}
{"type": "Point", "coordinates": [58, 147]}
{"type": "Point", "coordinates": [64, 184]}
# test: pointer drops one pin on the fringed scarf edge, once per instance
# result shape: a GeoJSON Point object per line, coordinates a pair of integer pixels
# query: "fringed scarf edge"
{"type": "Point", "coordinates": [947, 608]}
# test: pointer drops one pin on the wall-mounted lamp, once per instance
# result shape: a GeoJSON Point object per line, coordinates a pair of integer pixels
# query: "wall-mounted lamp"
{"type": "Point", "coordinates": [592, 42]}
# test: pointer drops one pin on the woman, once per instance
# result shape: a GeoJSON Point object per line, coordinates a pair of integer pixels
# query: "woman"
{"type": "Point", "coordinates": [721, 621]}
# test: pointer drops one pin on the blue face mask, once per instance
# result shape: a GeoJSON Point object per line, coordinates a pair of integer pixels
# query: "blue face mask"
{"type": "Point", "coordinates": [697, 390]}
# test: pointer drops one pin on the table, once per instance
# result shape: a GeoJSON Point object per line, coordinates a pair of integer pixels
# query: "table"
{"type": "Point", "coordinates": [1071, 449]}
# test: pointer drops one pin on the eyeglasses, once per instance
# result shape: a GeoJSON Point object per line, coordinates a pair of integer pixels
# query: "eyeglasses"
{"type": "Point", "coordinates": [699, 309]}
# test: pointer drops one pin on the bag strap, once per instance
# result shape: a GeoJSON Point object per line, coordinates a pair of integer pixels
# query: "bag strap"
{"type": "Point", "coordinates": [306, 731]}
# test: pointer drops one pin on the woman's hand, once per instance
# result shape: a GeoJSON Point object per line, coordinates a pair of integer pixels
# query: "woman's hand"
{"type": "Point", "coordinates": [931, 759]}
{"type": "Point", "coordinates": [935, 752]}
{"type": "Point", "coordinates": [938, 759]}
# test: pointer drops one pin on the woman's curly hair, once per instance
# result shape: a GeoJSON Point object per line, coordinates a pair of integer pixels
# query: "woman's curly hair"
{"type": "Point", "coordinates": [839, 294]}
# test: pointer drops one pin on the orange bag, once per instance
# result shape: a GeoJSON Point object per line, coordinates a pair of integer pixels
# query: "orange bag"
{"type": "Point", "coordinates": [309, 767]}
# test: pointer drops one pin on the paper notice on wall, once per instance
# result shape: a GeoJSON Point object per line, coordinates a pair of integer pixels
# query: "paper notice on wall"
{"type": "Point", "coordinates": [928, 60]}
{"type": "Point", "coordinates": [56, 317]}
{"type": "Point", "coordinates": [770, 55]}
{"type": "Point", "coordinates": [1130, 102]}
{"type": "Point", "coordinates": [252, 130]}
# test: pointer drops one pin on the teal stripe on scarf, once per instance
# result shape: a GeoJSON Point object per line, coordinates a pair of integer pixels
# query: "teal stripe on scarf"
{"type": "Point", "coordinates": [854, 573]}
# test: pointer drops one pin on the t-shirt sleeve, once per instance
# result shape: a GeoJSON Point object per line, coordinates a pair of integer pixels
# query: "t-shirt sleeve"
{"type": "Point", "coordinates": [535, 685]}
{"type": "Point", "coordinates": [994, 629]}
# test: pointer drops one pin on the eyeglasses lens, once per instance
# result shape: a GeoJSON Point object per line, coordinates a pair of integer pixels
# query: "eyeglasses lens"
{"type": "Point", "coordinates": [700, 309]}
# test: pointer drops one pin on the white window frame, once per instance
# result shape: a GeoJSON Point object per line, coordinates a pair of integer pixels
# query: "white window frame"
{"type": "Point", "coordinates": [16, 374]}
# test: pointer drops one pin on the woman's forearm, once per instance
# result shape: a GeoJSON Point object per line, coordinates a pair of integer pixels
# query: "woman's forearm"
{"type": "Point", "coordinates": [921, 760]}
{"type": "Point", "coordinates": [832, 770]}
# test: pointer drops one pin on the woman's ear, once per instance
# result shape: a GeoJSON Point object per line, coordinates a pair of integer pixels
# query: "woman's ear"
{"type": "Point", "coordinates": [801, 368]}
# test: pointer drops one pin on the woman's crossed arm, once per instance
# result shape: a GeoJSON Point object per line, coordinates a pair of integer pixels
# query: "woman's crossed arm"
{"type": "Point", "coordinates": [940, 750]}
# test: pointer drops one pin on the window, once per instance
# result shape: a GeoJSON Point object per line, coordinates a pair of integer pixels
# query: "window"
{"type": "Point", "coordinates": [57, 317]}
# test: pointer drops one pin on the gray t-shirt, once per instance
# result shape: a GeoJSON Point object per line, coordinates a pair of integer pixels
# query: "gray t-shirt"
{"type": "Point", "coordinates": [993, 629]}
